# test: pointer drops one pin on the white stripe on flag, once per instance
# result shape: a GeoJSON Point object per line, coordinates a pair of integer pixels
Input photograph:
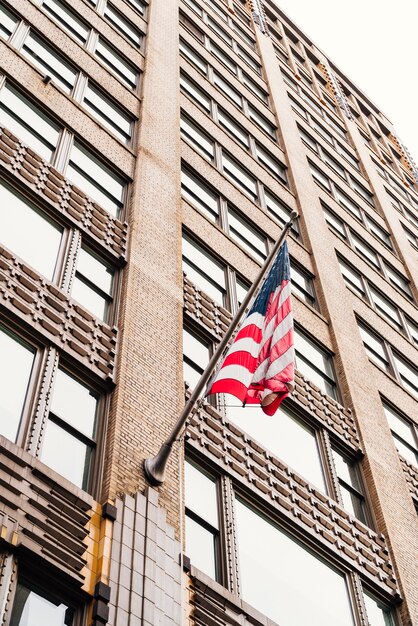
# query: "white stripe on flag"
{"type": "Point", "coordinates": [280, 363]}
{"type": "Point", "coordinates": [246, 344]}
{"type": "Point", "coordinates": [235, 372]}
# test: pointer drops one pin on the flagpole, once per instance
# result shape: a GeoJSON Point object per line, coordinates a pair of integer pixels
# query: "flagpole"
{"type": "Point", "coordinates": [154, 467]}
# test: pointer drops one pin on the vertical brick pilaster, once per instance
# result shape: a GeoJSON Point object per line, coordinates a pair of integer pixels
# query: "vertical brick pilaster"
{"type": "Point", "coordinates": [149, 385]}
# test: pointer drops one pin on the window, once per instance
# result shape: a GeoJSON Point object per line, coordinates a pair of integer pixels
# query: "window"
{"type": "Point", "coordinates": [116, 63]}
{"type": "Point", "coordinates": [202, 524]}
{"type": "Point", "coordinates": [254, 87]}
{"type": "Point", "coordinates": [123, 25]}
{"type": "Point", "coordinates": [384, 355]}
{"type": "Point", "coordinates": [378, 613]}
{"type": "Point", "coordinates": [204, 144]}
{"type": "Point", "coordinates": [31, 608]}
{"type": "Point", "coordinates": [271, 163]}
{"type": "Point", "coordinates": [287, 436]}
{"type": "Point", "coordinates": [227, 89]}
{"type": "Point", "coordinates": [352, 278]}
{"type": "Point", "coordinates": [297, 586]}
{"type": "Point", "coordinates": [368, 253]}
{"type": "Point", "coordinates": [261, 121]}
{"type": "Point", "coordinates": [315, 363]}
{"type": "Point", "coordinates": [8, 23]}
{"type": "Point", "coordinates": [194, 58]}
{"type": "Point", "coordinates": [138, 5]}
{"type": "Point", "coordinates": [50, 62]}
{"type": "Point", "coordinates": [302, 284]}
{"type": "Point", "coordinates": [404, 434]}
{"type": "Point", "coordinates": [39, 242]}
{"type": "Point", "coordinates": [108, 113]}
{"type": "Point", "coordinates": [407, 373]}
{"type": "Point", "coordinates": [28, 122]}
{"type": "Point", "coordinates": [246, 235]}
{"type": "Point", "coordinates": [224, 58]}
{"type": "Point", "coordinates": [384, 306]}
{"type": "Point", "coordinates": [195, 357]}
{"type": "Point", "coordinates": [195, 93]}
{"type": "Point", "coordinates": [199, 194]}
{"type": "Point", "coordinates": [204, 270]}
{"type": "Point", "coordinates": [233, 128]}
{"type": "Point", "coordinates": [93, 283]}
{"type": "Point", "coordinates": [191, 26]}
{"type": "Point", "coordinates": [375, 348]}
{"type": "Point", "coordinates": [95, 179]}
{"type": "Point", "coordinates": [16, 365]}
{"type": "Point", "coordinates": [69, 438]}
{"type": "Point", "coordinates": [278, 209]}
{"type": "Point", "coordinates": [240, 176]}
{"type": "Point", "coordinates": [67, 19]}
{"type": "Point", "coordinates": [350, 486]}
{"type": "Point", "coordinates": [219, 31]}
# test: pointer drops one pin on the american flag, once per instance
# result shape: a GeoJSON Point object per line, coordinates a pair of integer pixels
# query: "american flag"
{"type": "Point", "coordinates": [259, 366]}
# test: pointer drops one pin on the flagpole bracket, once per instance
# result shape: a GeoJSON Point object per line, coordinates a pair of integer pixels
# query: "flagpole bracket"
{"type": "Point", "coordinates": [155, 467]}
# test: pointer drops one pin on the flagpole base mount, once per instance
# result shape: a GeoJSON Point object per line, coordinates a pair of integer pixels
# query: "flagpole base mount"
{"type": "Point", "coordinates": [155, 467]}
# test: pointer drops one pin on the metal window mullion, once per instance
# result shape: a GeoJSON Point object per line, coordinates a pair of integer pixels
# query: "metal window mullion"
{"type": "Point", "coordinates": [63, 150]}
{"type": "Point", "coordinates": [223, 214]}
{"type": "Point", "coordinates": [231, 543]}
{"type": "Point", "coordinates": [19, 35]}
{"type": "Point", "coordinates": [231, 285]}
{"type": "Point", "coordinates": [70, 260]}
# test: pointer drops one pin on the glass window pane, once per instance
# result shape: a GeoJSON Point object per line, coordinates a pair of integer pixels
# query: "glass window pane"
{"type": "Point", "coordinates": [65, 454]}
{"type": "Point", "coordinates": [386, 308]}
{"type": "Point", "coordinates": [364, 250]}
{"type": "Point", "coordinates": [397, 279]}
{"type": "Point", "coordinates": [195, 357]}
{"type": "Point", "coordinates": [253, 241]}
{"type": "Point", "coordinates": [201, 497]}
{"type": "Point", "coordinates": [191, 55]}
{"type": "Point", "coordinates": [272, 164]}
{"type": "Point", "coordinates": [95, 179]}
{"type": "Point", "coordinates": [276, 207]}
{"type": "Point", "coordinates": [254, 87]}
{"type": "Point", "coordinates": [49, 62]}
{"type": "Point", "coordinates": [246, 182]}
{"type": "Point", "coordinates": [224, 58]}
{"type": "Point", "coordinates": [352, 278]}
{"type": "Point", "coordinates": [347, 203]}
{"type": "Point", "coordinates": [74, 403]}
{"type": "Point", "coordinates": [378, 614]}
{"type": "Point", "coordinates": [285, 581]}
{"type": "Point", "coordinates": [197, 137]}
{"type": "Point", "coordinates": [196, 191]}
{"type": "Point", "coordinates": [200, 547]}
{"type": "Point", "coordinates": [242, 289]}
{"type": "Point", "coordinates": [227, 89]}
{"type": "Point", "coordinates": [206, 269]}
{"type": "Point", "coordinates": [408, 375]}
{"type": "Point", "coordinates": [123, 25]}
{"type": "Point", "coordinates": [15, 370]}
{"type": "Point", "coordinates": [95, 270]}
{"type": "Point", "coordinates": [261, 121]}
{"type": "Point", "coordinates": [66, 19]}
{"type": "Point", "coordinates": [124, 70]}
{"type": "Point", "coordinates": [28, 122]}
{"type": "Point", "coordinates": [195, 93]}
{"type": "Point", "coordinates": [15, 211]}
{"type": "Point", "coordinates": [89, 298]}
{"type": "Point", "coordinates": [234, 129]}
{"type": "Point", "coordinates": [108, 113]}
{"type": "Point", "coordinates": [32, 609]}
{"type": "Point", "coordinates": [320, 177]}
{"type": "Point", "coordinates": [7, 23]}
{"type": "Point", "coordinates": [219, 31]}
{"type": "Point", "coordinates": [284, 434]}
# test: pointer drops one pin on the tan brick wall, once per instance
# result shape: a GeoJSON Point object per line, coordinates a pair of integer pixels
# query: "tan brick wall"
{"type": "Point", "coordinates": [148, 396]}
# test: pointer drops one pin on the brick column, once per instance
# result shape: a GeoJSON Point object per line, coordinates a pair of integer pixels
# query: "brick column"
{"type": "Point", "coordinates": [149, 383]}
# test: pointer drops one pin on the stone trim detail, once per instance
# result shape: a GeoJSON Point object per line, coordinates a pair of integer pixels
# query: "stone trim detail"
{"type": "Point", "coordinates": [145, 575]}
{"type": "Point", "coordinates": [66, 325]}
{"type": "Point", "coordinates": [43, 513]}
{"type": "Point", "coordinates": [53, 188]}
{"type": "Point", "coordinates": [411, 475]}
{"type": "Point", "coordinates": [299, 503]}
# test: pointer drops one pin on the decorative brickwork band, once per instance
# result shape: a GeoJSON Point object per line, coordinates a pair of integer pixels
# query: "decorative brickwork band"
{"type": "Point", "coordinates": [334, 87]}
{"type": "Point", "coordinates": [51, 187]}
{"type": "Point", "coordinates": [259, 16]}
{"type": "Point", "coordinates": [67, 325]}
{"type": "Point", "coordinates": [411, 475]}
{"type": "Point", "coordinates": [301, 503]}
{"type": "Point", "coordinates": [406, 156]}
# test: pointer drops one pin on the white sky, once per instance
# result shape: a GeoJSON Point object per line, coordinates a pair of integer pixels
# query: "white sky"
{"type": "Point", "coordinates": [375, 43]}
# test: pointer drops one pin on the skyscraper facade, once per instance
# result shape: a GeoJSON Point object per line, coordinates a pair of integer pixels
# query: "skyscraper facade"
{"type": "Point", "coordinates": [150, 154]}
